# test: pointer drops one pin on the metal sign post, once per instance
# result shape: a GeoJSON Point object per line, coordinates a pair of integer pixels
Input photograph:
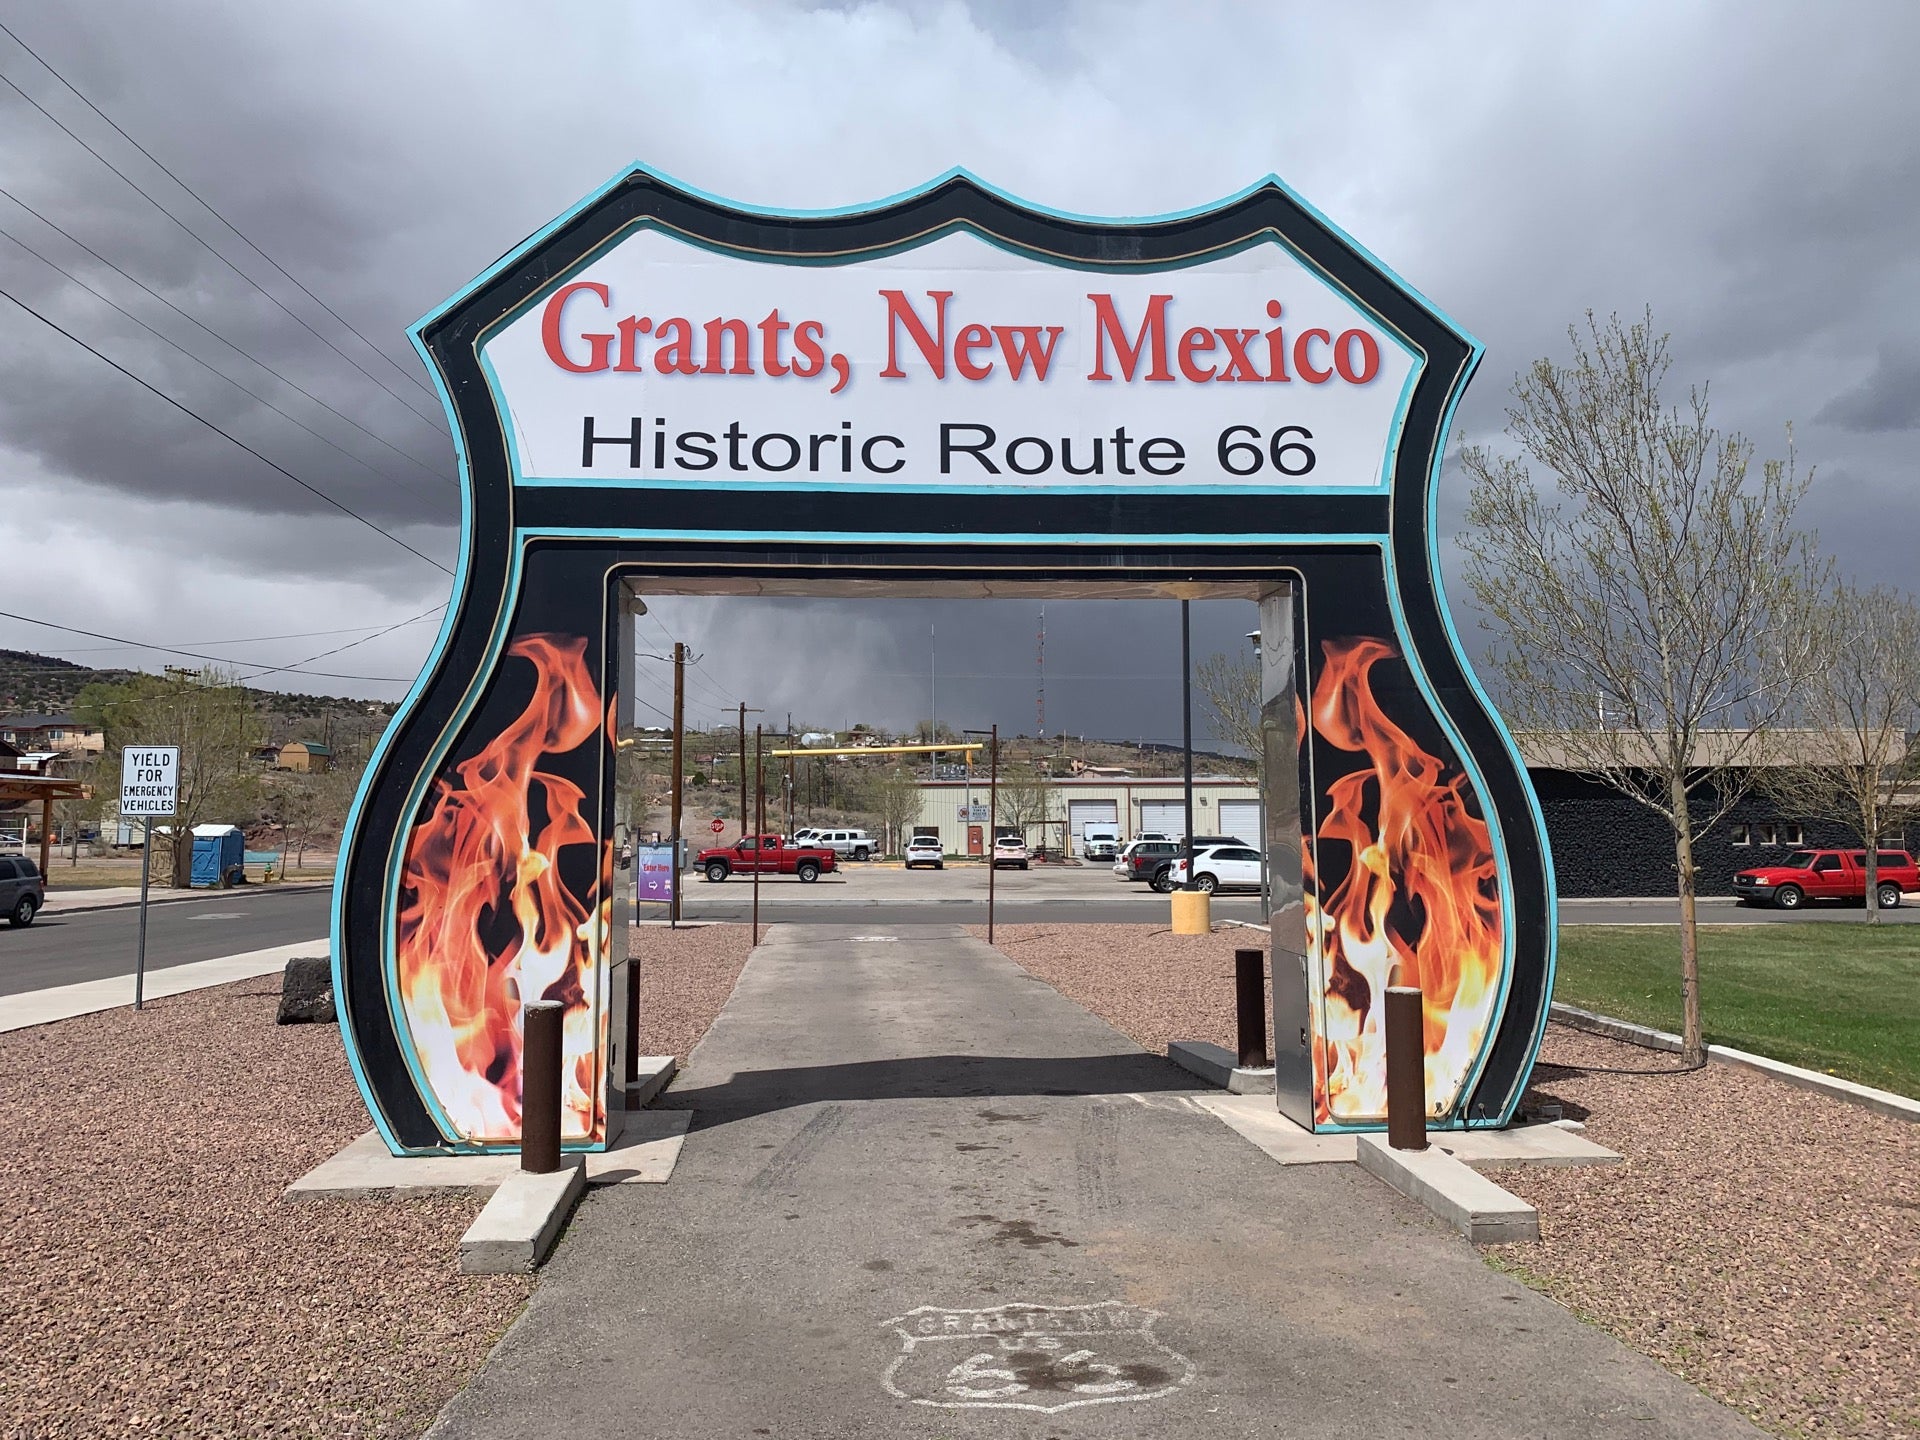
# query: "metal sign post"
{"type": "Point", "coordinates": [149, 787]}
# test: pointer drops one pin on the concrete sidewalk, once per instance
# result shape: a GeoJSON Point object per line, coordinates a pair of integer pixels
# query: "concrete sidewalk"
{"type": "Point", "coordinates": [927, 1196]}
{"type": "Point", "coordinates": [63, 1002]}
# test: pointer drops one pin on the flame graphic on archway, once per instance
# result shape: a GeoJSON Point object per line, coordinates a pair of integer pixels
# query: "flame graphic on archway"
{"type": "Point", "coordinates": [1418, 904]}
{"type": "Point", "coordinates": [486, 922]}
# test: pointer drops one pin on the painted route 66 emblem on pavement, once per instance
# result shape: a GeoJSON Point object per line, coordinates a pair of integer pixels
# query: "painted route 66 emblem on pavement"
{"type": "Point", "coordinates": [1031, 1357]}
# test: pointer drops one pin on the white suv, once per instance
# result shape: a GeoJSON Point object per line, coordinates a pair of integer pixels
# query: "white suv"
{"type": "Point", "coordinates": [925, 850]}
{"type": "Point", "coordinates": [847, 844]}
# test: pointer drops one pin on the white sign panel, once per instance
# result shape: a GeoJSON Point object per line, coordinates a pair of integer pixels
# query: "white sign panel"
{"type": "Point", "coordinates": [149, 779]}
{"type": "Point", "coordinates": [952, 365]}
{"type": "Point", "coordinates": [973, 812]}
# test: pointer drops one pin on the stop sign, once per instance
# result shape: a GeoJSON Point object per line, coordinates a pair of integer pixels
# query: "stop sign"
{"type": "Point", "coordinates": [717, 826]}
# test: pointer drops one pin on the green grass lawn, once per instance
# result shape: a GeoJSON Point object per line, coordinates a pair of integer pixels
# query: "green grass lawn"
{"type": "Point", "coordinates": [1834, 997]}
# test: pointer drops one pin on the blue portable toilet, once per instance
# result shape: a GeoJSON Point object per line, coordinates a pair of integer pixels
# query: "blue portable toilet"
{"type": "Point", "coordinates": [218, 851]}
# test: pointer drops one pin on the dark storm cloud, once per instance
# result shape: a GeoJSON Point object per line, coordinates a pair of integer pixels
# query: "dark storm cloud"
{"type": "Point", "coordinates": [1888, 399]}
{"type": "Point", "coordinates": [1749, 171]}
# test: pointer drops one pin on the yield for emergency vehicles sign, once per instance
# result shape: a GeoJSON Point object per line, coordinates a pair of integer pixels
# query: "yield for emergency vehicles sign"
{"type": "Point", "coordinates": [149, 779]}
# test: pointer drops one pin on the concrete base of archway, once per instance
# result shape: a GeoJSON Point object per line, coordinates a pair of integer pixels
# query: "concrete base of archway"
{"type": "Point", "coordinates": [925, 1195]}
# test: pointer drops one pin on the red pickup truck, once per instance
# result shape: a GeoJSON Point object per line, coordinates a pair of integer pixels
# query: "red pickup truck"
{"type": "Point", "coordinates": [769, 855]}
{"type": "Point", "coordinates": [1826, 875]}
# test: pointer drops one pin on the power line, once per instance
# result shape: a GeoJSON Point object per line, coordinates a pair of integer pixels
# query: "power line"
{"type": "Point", "coordinates": [196, 654]}
{"type": "Point", "coordinates": [82, 245]}
{"type": "Point", "coordinates": [311, 489]}
{"type": "Point", "coordinates": [299, 665]}
{"type": "Point", "coordinates": [217, 374]}
{"type": "Point", "coordinates": [259, 639]}
{"type": "Point", "coordinates": [47, 65]}
{"type": "Point", "coordinates": [268, 295]}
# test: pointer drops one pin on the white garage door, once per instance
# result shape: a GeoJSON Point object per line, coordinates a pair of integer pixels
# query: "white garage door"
{"type": "Point", "coordinates": [1166, 817]}
{"type": "Point", "coordinates": [1081, 812]}
{"type": "Point", "coordinates": [1241, 819]}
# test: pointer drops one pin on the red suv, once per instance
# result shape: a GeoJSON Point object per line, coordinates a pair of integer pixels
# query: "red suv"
{"type": "Point", "coordinates": [1826, 875]}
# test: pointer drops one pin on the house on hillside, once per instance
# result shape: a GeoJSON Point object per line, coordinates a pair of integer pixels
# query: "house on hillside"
{"type": "Point", "coordinates": [305, 757]}
{"type": "Point", "coordinates": [52, 732]}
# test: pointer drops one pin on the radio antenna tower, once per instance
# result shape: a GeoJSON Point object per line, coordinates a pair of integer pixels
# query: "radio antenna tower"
{"type": "Point", "coordinates": [1040, 688]}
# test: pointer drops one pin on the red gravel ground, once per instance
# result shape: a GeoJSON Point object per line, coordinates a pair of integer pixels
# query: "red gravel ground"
{"type": "Point", "coordinates": [686, 975]}
{"type": "Point", "coordinates": [1760, 1241]}
{"type": "Point", "coordinates": [1148, 983]}
{"type": "Point", "coordinates": [154, 1282]}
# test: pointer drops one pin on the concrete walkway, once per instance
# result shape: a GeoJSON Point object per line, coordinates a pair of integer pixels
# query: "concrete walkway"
{"type": "Point", "coordinates": [63, 1002]}
{"type": "Point", "coordinates": [925, 1195]}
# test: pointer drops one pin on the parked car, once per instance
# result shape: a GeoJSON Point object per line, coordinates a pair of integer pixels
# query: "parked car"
{"type": "Point", "coordinates": [768, 855]}
{"type": "Point", "coordinates": [847, 844]}
{"type": "Point", "coordinates": [1144, 859]}
{"type": "Point", "coordinates": [1009, 850]}
{"type": "Point", "coordinates": [925, 850]}
{"type": "Point", "coordinates": [1159, 873]}
{"type": "Point", "coordinates": [1099, 840]}
{"type": "Point", "coordinates": [22, 890]}
{"type": "Point", "coordinates": [1826, 875]}
{"type": "Point", "coordinates": [1219, 867]}
{"type": "Point", "coordinates": [807, 836]}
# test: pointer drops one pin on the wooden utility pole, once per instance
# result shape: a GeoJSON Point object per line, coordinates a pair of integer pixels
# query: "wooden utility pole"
{"type": "Point", "coordinates": [759, 828]}
{"type": "Point", "coordinates": [993, 810]}
{"type": "Point", "coordinates": [679, 767]}
{"type": "Point", "coordinates": [743, 769]}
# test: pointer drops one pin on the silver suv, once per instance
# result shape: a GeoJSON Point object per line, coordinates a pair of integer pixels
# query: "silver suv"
{"type": "Point", "coordinates": [22, 891]}
{"type": "Point", "coordinates": [847, 844]}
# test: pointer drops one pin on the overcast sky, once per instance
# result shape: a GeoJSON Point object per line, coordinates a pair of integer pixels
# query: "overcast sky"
{"type": "Point", "coordinates": [1752, 171]}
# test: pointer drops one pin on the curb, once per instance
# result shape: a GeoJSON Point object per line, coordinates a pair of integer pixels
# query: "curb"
{"type": "Point", "coordinates": [517, 1227]}
{"type": "Point", "coordinates": [1219, 1066]}
{"type": "Point", "coordinates": [1456, 1193]}
{"type": "Point", "coordinates": [1883, 1102]}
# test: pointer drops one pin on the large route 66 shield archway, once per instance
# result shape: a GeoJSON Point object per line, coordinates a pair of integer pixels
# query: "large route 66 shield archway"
{"type": "Point", "coordinates": [948, 387]}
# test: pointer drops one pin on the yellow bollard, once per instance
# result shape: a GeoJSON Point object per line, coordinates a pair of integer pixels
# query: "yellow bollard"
{"type": "Point", "coordinates": [1190, 912]}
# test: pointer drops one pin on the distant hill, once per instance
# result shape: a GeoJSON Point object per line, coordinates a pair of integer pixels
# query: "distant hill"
{"type": "Point", "coordinates": [45, 684]}
{"type": "Point", "coordinates": [33, 684]}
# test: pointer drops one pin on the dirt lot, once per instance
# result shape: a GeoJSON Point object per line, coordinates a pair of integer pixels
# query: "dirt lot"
{"type": "Point", "coordinates": [1761, 1241]}
{"type": "Point", "coordinates": [155, 1284]}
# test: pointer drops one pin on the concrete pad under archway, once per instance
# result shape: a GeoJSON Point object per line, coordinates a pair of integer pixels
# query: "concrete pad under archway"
{"type": "Point", "coordinates": [926, 1195]}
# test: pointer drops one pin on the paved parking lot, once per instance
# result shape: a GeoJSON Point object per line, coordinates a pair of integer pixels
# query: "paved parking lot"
{"type": "Point", "coordinates": [883, 892]}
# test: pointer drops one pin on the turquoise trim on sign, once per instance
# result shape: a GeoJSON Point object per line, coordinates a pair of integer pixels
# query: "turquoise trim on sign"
{"type": "Point", "coordinates": [1478, 352]}
{"type": "Point", "coordinates": [1417, 361]}
{"type": "Point", "coordinates": [1111, 540]}
{"type": "Point", "coordinates": [396, 860]}
{"type": "Point", "coordinates": [350, 832]}
{"type": "Point", "coordinates": [742, 487]}
{"type": "Point", "coordinates": [773, 212]}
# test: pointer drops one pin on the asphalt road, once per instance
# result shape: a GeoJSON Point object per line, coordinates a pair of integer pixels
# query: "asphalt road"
{"type": "Point", "coordinates": [926, 1197]}
{"type": "Point", "coordinates": [95, 944]}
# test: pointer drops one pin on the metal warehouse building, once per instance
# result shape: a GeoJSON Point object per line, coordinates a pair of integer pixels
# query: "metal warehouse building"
{"type": "Point", "coordinates": [1222, 805]}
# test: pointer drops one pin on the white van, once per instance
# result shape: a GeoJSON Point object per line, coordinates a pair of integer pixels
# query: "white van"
{"type": "Point", "coordinates": [847, 844]}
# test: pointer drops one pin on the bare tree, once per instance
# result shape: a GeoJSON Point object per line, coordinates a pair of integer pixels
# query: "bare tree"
{"type": "Point", "coordinates": [1025, 798]}
{"type": "Point", "coordinates": [1230, 686]}
{"type": "Point", "coordinates": [1651, 612]}
{"type": "Point", "coordinates": [206, 714]}
{"type": "Point", "coordinates": [895, 797]}
{"type": "Point", "coordinates": [1857, 767]}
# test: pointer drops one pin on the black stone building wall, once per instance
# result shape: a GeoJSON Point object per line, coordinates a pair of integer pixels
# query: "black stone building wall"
{"type": "Point", "coordinates": [1605, 844]}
